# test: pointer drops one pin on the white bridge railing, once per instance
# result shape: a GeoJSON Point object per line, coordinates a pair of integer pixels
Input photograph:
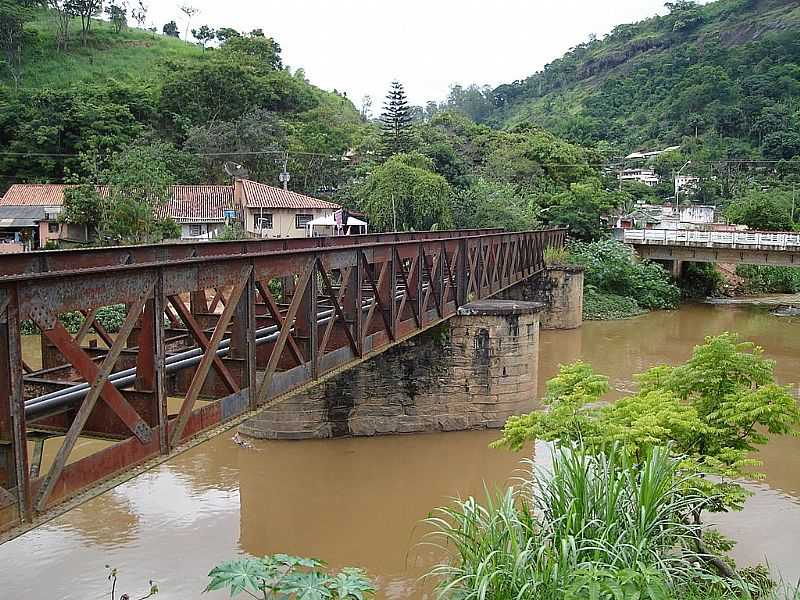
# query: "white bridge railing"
{"type": "Point", "coordinates": [750, 239]}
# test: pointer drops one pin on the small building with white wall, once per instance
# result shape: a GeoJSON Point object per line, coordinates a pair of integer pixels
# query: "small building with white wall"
{"type": "Point", "coordinates": [273, 212]}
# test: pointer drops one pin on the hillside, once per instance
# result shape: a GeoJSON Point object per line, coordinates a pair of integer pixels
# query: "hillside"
{"type": "Point", "coordinates": [727, 73]}
{"type": "Point", "coordinates": [65, 112]}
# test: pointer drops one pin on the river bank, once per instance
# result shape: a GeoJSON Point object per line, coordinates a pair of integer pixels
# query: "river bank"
{"type": "Point", "coordinates": [360, 501]}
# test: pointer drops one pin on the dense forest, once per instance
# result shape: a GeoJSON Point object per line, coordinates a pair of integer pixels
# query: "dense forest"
{"type": "Point", "coordinates": [85, 90]}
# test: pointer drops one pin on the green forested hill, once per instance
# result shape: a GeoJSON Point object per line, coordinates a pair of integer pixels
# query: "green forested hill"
{"type": "Point", "coordinates": [727, 73]}
{"type": "Point", "coordinates": [64, 112]}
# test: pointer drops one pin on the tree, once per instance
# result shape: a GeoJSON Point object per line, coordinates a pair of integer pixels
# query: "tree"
{"type": "Point", "coordinates": [171, 29]}
{"type": "Point", "coordinates": [117, 15]}
{"type": "Point", "coordinates": [238, 139]}
{"type": "Point", "coordinates": [762, 211]}
{"type": "Point", "coordinates": [491, 204]}
{"type": "Point", "coordinates": [86, 10]}
{"type": "Point", "coordinates": [139, 13]}
{"type": "Point", "coordinates": [712, 412]}
{"type": "Point", "coordinates": [83, 205]}
{"type": "Point", "coordinates": [13, 36]}
{"type": "Point", "coordinates": [259, 50]}
{"type": "Point", "coordinates": [64, 10]}
{"type": "Point", "coordinates": [405, 194]}
{"type": "Point", "coordinates": [366, 107]}
{"type": "Point", "coordinates": [396, 121]}
{"type": "Point", "coordinates": [190, 11]}
{"type": "Point", "coordinates": [139, 181]}
{"type": "Point", "coordinates": [226, 33]}
{"type": "Point", "coordinates": [582, 208]}
{"type": "Point", "coordinates": [204, 35]}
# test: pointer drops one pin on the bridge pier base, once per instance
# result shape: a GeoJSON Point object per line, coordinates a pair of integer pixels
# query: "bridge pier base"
{"type": "Point", "coordinates": [472, 372]}
{"type": "Point", "coordinates": [560, 289]}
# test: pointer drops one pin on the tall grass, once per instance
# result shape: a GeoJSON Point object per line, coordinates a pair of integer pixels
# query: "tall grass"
{"type": "Point", "coordinates": [596, 526]}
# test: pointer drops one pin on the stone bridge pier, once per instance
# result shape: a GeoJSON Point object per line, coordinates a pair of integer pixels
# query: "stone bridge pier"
{"type": "Point", "coordinates": [472, 372]}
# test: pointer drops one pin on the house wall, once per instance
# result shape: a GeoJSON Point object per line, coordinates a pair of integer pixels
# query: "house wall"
{"type": "Point", "coordinates": [283, 221]}
{"type": "Point", "coordinates": [205, 228]}
{"type": "Point", "coordinates": [45, 235]}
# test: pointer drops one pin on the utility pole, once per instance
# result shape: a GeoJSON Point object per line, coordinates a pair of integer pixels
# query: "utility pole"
{"type": "Point", "coordinates": [284, 176]}
{"type": "Point", "coordinates": [394, 214]}
{"type": "Point", "coordinates": [677, 189]}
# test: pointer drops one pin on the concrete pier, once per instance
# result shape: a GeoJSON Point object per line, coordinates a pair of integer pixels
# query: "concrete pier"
{"type": "Point", "coordinates": [471, 373]}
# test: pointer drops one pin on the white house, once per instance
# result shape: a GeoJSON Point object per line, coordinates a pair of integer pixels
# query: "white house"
{"type": "Point", "coordinates": [645, 176]}
{"type": "Point", "coordinates": [273, 212]}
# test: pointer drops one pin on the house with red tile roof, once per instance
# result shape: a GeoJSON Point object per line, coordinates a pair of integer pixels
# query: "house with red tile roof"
{"type": "Point", "coordinates": [29, 212]}
{"type": "Point", "coordinates": [273, 212]}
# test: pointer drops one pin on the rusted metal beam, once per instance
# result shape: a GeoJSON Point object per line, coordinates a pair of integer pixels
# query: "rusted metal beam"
{"type": "Point", "coordinates": [209, 355]}
{"type": "Point", "coordinates": [201, 340]}
{"type": "Point", "coordinates": [99, 377]}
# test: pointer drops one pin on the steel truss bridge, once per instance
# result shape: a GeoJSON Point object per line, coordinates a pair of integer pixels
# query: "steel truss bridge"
{"type": "Point", "coordinates": [212, 333]}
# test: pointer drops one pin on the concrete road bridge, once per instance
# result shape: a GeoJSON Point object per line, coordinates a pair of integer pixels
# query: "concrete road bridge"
{"type": "Point", "coordinates": [731, 247]}
{"type": "Point", "coordinates": [214, 333]}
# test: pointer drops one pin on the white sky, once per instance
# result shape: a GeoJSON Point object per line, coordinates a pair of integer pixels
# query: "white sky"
{"type": "Point", "coordinates": [360, 46]}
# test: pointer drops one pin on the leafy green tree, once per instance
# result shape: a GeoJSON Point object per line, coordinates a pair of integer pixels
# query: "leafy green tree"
{"type": "Point", "coordinates": [613, 268]}
{"type": "Point", "coordinates": [204, 35]}
{"type": "Point", "coordinates": [257, 131]}
{"type": "Point", "coordinates": [171, 29]}
{"type": "Point", "coordinates": [83, 205]}
{"type": "Point", "coordinates": [396, 121]}
{"type": "Point", "coordinates": [763, 211]}
{"type": "Point", "coordinates": [491, 204]}
{"type": "Point", "coordinates": [117, 15]}
{"type": "Point", "coordinates": [582, 209]}
{"type": "Point", "coordinates": [86, 10]}
{"type": "Point", "coordinates": [13, 16]}
{"type": "Point", "coordinates": [260, 51]}
{"type": "Point", "coordinates": [405, 194]}
{"type": "Point", "coordinates": [712, 412]}
{"type": "Point", "coordinates": [226, 33]}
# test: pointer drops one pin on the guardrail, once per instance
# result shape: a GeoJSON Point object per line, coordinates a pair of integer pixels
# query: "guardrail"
{"type": "Point", "coordinates": [733, 239]}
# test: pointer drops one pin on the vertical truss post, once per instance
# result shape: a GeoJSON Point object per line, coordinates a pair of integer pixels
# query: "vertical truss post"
{"type": "Point", "coordinates": [353, 301]}
{"type": "Point", "coordinates": [198, 303]}
{"type": "Point", "coordinates": [159, 383]}
{"type": "Point", "coordinates": [243, 336]}
{"type": "Point", "coordinates": [309, 312]}
{"type": "Point", "coordinates": [145, 357]}
{"type": "Point", "coordinates": [461, 274]}
{"type": "Point", "coordinates": [14, 473]}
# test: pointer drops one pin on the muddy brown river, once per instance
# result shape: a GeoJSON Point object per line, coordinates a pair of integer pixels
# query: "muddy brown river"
{"type": "Point", "coordinates": [360, 501]}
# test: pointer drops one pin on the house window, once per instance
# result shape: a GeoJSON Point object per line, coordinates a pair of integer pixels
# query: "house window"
{"type": "Point", "coordinates": [53, 227]}
{"type": "Point", "coordinates": [195, 229]}
{"type": "Point", "coordinates": [264, 221]}
{"type": "Point", "coordinates": [300, 220]}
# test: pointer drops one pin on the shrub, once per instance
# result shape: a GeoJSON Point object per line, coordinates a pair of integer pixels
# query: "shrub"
{"type": "Point", "coordinates": [288, 577]}
{"type": "Point", "coordinates": [598, 306]}
{"type": "Point", "coordinates": [770, 280]}
{"type": "Point", "coordinates": [597, 526]}
{"type": "Point", "coordinates": [613, 268]}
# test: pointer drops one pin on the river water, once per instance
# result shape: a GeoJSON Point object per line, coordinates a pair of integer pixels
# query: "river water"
{"type": "Point", "coordinates": [359, 501]}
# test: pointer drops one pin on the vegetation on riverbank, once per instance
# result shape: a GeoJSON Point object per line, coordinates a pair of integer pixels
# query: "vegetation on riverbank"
{"type": "Point", "coordinates": [597, 525]}
{"type": "Point", "coordinates": [620, 514]}
{"type": "Point", "coordinates": [617, 284]}
{"type": "Point", "coordinates": [769, 280]}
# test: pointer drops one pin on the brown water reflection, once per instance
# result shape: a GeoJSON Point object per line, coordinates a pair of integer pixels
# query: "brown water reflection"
{"type": "Point", "coordinates": [359, 501]}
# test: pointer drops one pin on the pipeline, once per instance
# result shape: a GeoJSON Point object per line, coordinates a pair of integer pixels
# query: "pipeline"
{"type": "Point", "coordinates": [54, 402]}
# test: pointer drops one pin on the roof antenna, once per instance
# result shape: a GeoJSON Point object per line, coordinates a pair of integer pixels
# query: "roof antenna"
{"type": "Point", "coordinates": [235, 170]}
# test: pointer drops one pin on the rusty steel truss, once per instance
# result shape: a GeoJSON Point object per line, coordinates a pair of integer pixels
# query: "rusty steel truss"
{"type": "Point", "coordinates": [212, 333]}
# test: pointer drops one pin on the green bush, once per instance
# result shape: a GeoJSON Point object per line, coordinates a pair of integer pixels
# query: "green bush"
{"type": "Point", "coordinates": [596, 526]}
{"type": "Point", "coordinates": [599, 306]}
{"type": "Point", "coordinates": [770, 280]}
{"type": "Point", "coordinates": [613, 268]}
{"type": "Point", "coordinates": [109, 317]}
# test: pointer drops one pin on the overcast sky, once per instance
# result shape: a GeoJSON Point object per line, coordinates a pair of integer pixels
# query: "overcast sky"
{"type": "Point", "coordinates": [359, 46]}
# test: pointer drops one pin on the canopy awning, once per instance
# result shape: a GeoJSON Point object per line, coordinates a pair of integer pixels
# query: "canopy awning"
{"type": "Point", "coordinates": [330, 221]}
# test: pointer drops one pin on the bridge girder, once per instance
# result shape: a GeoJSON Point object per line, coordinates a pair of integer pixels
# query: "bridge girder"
{"type": "Point", "coordinates": [284, 315]}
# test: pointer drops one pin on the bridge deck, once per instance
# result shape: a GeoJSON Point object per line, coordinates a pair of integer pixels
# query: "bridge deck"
{"type": "Point", "coordinates": [734, 247]}
{"type": "Point", "coordinates": [226, 328]}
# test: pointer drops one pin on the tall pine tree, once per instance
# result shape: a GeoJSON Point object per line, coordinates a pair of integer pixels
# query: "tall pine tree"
{"type": "Point", "coordinates": [396, 120]}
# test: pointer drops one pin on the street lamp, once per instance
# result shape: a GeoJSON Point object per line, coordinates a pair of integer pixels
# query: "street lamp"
{"type": "Point", "coordinates": [677, 206]}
